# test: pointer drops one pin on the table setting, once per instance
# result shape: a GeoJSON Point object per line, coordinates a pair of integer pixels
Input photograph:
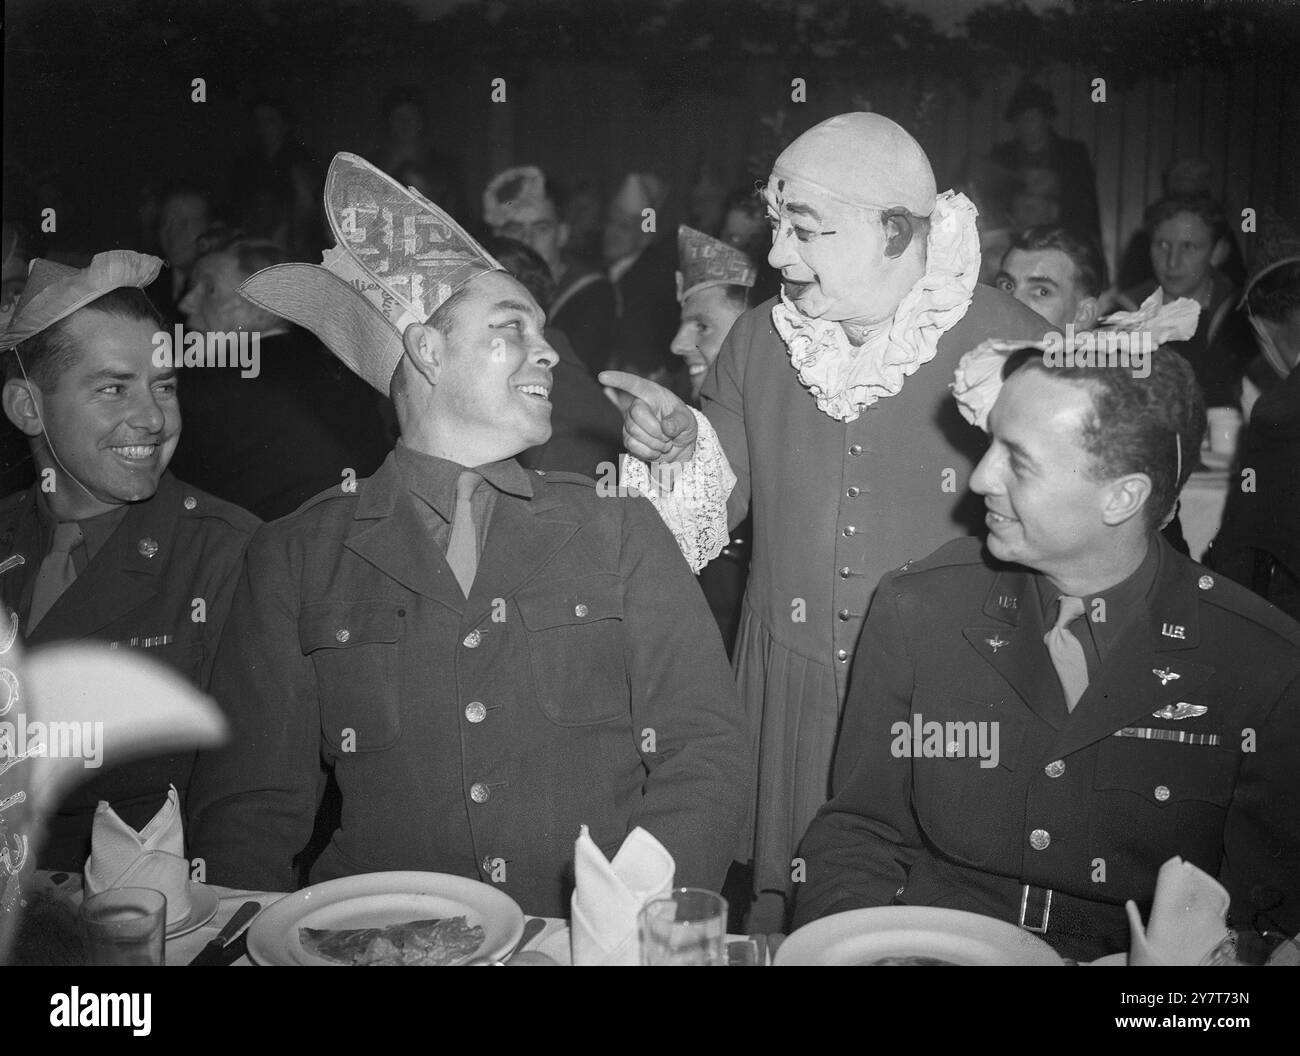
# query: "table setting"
{"type": "Point", "coordinates": [136, 903]}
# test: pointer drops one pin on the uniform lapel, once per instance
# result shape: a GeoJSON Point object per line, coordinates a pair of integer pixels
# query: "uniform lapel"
{"type": "Point", "coordinates": [522, 537]}
{"type": "Point", "coordinates": [1150, 665]}
{"type": "Point", "coordinates": [1012, 644]}
{"type": "Point", "coordinates": [125, 574]}
{"type": "Point", "coordinates": [388, 533]}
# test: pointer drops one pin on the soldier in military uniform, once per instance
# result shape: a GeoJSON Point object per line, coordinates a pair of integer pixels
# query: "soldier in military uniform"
{"type": "Point", "coordinates": [107, 544]}
{"type": "Point", "coordinates": [1037, 726]}
{"type": "Point", "coordinates": [487, 657]}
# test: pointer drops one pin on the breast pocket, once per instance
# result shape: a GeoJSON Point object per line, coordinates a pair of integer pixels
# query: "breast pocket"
{"type": "Point", "coordinates": [575, 647]}
{"type": "Point", "coordinates": [1165, 774]}
{"type": "Point", "coordinates": [355, 648]}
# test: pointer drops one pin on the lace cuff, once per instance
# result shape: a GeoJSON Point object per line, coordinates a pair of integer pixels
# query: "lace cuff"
{"type": "Point", "coordinates": [694, 501]}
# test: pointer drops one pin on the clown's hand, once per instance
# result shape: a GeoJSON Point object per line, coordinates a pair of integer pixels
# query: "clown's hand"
{"type": "Point", "coordinates": [657, 426]}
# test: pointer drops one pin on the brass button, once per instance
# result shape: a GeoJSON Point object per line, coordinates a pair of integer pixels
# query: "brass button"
{"type": "Point", "coordinates": [486, 863]}
{"type": "Point", "coordinates": [853, 492]}
{"type": "Point", "coordinates": [479, 792]}
{"type": "Point", "coordinates": [342, 635]}
{"type": "Point", "coordinates": [1039, 839]}
{"type": "Point", "coordinates": [472, 639]}
{"type": "Point", "coordinates": [190, 502]}
{"type": "Point", "coordinates": [850, 531]}
{"type": "Point", "coordinates": [844, 614]}
{"type": "Point", "coordinates": [476, 711]}
{"type": "Point", "coordinates": [1205, 582]}
{"type": "Point", "coordinates": [855, 450]}
{"type": "Point", "coordinates": [147, 547]}
{"type": "Point", "coordinates": [580, 610]}
{"type": "Point", "coordinates": [1162, 793]}
{"type": "Point", "coordinates": [845, 572]}
{"type": "Point", "coordinates": [1055, 768]}
{"type": "Point", "coordinates": [842, 655]}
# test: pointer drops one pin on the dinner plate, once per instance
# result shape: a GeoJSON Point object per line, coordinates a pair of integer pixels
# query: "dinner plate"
{"type": "Point", "coordinates": [203, 907]}
{"type": "Point", "coordinates": [376, 900]}
{"type": "Point", "coordinates": [866, 936]}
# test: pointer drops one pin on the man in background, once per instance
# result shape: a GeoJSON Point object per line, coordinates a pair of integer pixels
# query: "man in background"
{"type": "Point", "coordinates": [1057, 274]}
{"type": "Point", "coordinates": [269, 438]}
{"type": "Point", "coordinates": [522, 204]}
{"type": "Point", "coordinates": [642, 276]}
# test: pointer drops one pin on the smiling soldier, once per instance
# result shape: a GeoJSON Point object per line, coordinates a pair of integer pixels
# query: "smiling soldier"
{"type": "Point", "coordinates": [108, 544]}
{"type": "Point", "coordinates": [1146, 709]}
{"type": "Point", "coordinates": [488, 658]}
{"type": "Point", "coordinates": [825, 409]}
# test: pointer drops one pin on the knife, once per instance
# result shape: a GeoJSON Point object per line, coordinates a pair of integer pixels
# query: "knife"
{"type": "Point", "coordinates": [214, 952]}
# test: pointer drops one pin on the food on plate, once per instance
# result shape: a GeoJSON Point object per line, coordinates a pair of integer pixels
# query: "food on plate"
{"type": "Point", "coordinates": [418, 942]}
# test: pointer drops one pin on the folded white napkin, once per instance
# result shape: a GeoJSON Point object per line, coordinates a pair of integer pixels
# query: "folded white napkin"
{"type": "Point", "coordinates": [1187, 919]}
{"type": "Point", "coordinates": [609, 895]}
{"type": "Point", "coordinates": [154, 857]}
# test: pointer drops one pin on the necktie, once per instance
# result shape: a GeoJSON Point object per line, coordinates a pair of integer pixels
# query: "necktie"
{"type": "Point", "coordinates": [1066, 652]}
{"type": "Point", "coordinates": [462, 548]}
{"type": "Point", "coordinates": [56, 572]}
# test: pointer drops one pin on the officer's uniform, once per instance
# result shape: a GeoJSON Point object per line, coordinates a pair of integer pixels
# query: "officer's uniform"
{"type": "Point", "coordinates": [582, 682]}
{"type": "Point", "coordinates": [1185, 743]}
{"type": "Point", "coordinates": [162, 584]}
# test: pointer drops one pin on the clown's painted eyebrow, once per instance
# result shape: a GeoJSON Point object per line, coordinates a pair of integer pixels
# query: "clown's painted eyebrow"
{"type": "Point", "coordinates": [804, 210]}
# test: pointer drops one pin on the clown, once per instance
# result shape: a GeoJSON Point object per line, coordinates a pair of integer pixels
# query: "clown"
{"type": "Point", "coordinates": [827, 415]}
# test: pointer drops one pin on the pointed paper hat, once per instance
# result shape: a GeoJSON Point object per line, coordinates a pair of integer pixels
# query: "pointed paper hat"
{"type": "Point", "coordinates": [1278, 245]}
{"type": "Point", "coordinates": [396, 258]}
{"type": "Point", "coordinates": [705, 261]}
{"type": "Point", "coordinates": [55, 291]}
{"type": "Point", "coordinates": [509, 191]}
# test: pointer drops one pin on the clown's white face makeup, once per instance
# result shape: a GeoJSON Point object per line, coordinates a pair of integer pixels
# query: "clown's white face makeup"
{"type": "Point", "coordinates": [831, 256]}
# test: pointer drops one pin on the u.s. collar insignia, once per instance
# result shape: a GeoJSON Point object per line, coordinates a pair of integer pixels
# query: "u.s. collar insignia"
{"type": "Point", "coordinates": [996, 643]}
{"type": "Point", "coordinates": [1181, 710]}
{"type": "Point", "coordinates": [1008, 601]}
{"type": "Point", "coordinates": [1166, 675]}
{"type": "Point", "coordinates": [1173, 630]}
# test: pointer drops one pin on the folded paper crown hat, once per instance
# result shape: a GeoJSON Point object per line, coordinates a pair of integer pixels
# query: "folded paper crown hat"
{"type": "Point", "coordinates": [54, 291]}
{"type": "Point", "coordinates": [706, 261]}
{"type": "Point", "coordinates": [396, 258]}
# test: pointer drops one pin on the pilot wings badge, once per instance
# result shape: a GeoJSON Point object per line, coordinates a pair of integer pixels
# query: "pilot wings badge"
{"type": "Point", "coordinates": [1181, 710]}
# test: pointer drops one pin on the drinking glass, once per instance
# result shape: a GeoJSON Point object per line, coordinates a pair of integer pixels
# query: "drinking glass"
{"type": "Point", "coordinates": [688, 927]}
{"type": "Point", "coordinates": [124, 926]}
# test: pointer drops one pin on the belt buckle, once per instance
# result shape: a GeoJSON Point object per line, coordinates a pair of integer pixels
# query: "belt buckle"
{"type": "Point", "coordinates": [1040, 929]}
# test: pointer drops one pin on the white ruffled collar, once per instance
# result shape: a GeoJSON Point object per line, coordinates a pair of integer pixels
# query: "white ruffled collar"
{"type": "Point", "coordinates": [846, 380]}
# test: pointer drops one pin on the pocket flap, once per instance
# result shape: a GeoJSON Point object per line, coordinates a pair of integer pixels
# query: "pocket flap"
{"type": "Point", "coordinates": [346, 626]}
{"type": "Point", "coordinates": [574, 602]}
{"type": "Point", "coordinates": [1166, 773]}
